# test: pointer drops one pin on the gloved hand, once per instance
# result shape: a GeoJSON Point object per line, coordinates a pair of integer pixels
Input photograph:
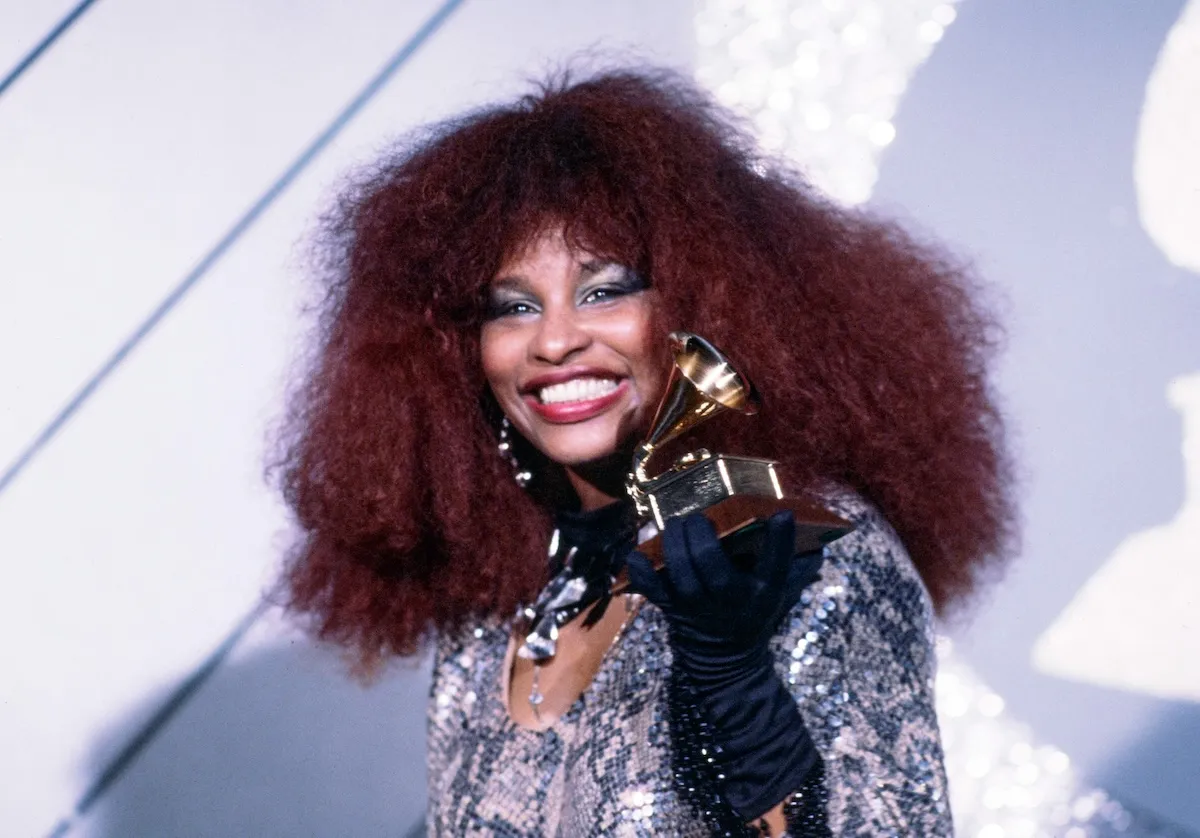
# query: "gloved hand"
{"type": "Point", "coordinates": [722, 612]}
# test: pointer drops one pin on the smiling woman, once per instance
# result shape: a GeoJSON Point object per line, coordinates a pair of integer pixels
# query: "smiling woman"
{"type": "Point", "coordinates": [499, 295]}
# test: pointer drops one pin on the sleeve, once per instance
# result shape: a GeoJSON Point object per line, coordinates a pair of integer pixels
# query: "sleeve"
{"type": "Point", "coordinates": [444, 718]}
{"type": "Point", "coordinates": [857, 655]}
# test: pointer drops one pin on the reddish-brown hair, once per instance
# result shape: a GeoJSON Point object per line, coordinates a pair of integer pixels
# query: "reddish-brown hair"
{"type": "Point", "coordinates": [871, 349]}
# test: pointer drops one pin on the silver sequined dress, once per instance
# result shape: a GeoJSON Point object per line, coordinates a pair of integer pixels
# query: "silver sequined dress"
{"type": "Point", "coordinates": [856, 652]}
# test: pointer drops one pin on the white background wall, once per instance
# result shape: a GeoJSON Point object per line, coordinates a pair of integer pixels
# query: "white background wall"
{"type": "Point", "coordinates": [140, 535]}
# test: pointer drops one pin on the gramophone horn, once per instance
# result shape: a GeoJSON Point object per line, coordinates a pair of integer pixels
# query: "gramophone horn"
{"type": "Point", "coordinates": [702, 383]}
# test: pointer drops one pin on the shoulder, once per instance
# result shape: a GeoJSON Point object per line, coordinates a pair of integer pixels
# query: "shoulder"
{"type": "Point", "coordinates": [868, 619]}
{"type": "Point", "coordinates": [871, 562]}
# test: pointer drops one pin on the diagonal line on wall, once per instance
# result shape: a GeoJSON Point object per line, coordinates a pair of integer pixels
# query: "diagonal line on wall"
{"type": "Point", "coordinates": [146, 734]}
{"type": "Point", "coordinates": [48, 41]}
{"type": "Point", "coordinates": [398, 60]}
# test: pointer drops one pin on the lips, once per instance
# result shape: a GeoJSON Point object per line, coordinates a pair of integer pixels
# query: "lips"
{"type": "Point", "coordinates": [573, 399]}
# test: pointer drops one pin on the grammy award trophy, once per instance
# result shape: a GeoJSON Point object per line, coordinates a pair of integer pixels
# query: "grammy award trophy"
{"type": "Point", "coordinates": [736, 493]}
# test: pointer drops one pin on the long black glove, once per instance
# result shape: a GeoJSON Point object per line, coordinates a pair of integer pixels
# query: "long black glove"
{"type": "Point", "coordinates": [722, 611]}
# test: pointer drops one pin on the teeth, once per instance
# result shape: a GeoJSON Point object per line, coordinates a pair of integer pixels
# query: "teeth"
{"type": "Point", "coordinates": [577, 390]}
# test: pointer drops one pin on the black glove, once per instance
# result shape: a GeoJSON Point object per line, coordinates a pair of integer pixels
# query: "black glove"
{"type": "Point", "coordinates": [722, 611]}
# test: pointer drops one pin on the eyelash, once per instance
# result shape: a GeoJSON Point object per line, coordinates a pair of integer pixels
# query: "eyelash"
{"type": "Point", "coordinates": [609, 292]}
{"type": "Point", "coordinates": [506, 309]}
{"type": "Point", "coordinates": [514, 307]}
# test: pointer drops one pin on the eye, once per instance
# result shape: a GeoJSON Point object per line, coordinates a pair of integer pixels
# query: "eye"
{"type": "Point", "coordinates": [606, 292]}
{"type": "Point", "coordinates": [508, 307]}
{"type": "Point", "coordinates": [618, 282]}
{"type": "Point", "coordinates": [508, 310]}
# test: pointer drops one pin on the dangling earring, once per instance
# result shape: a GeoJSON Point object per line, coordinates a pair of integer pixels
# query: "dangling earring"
{"type": "Point", "coordinates": [505, 446]}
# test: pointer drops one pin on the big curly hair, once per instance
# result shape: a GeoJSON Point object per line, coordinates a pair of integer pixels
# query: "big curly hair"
{"type": "Point", "coordinates": [872, 350]}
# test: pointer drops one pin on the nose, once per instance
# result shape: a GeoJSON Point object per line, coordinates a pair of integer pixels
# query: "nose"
{"type": "Point", "coordinates": [560, 335]}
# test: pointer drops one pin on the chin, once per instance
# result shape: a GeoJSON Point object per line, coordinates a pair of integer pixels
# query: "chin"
{"type": "Point", "coordinates": [589, 450]}
{"type": "Point", "coordinates": [588, 456]}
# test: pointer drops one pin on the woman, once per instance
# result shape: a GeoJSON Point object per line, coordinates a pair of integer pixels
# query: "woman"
{"type": "Point", "coordinates": [492, 348]}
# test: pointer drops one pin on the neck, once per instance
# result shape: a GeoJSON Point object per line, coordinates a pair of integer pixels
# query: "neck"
{"type": "Point", "coordinates": [600, 483]}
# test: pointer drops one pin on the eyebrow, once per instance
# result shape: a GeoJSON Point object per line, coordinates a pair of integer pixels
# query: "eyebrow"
{"type": "Point", "coordinates": [516, 282]}
{"type": "Point", "coordinates": [508, 283]}
{"type": "Point", "coordinates": [594, 266]}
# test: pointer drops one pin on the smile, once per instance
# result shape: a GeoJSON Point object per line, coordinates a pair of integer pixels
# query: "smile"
{"type": "Point", "coordinates": [576, 390]}
{"type": "Point", "coordinates": [577, 399]}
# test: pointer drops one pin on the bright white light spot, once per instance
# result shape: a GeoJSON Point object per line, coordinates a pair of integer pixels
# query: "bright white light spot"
{"type": "Point", "coordinates": [780, 100]}
{"type": "Point", "coordinates": [729, 93]}
{"type": "Point", "coordinates": [882, 133]}
{"type": "Point", "coordinates": [1028, 773]}
{"type": "Point", "coordinates": [1084, 808]}
{"type": "Point", "coordinates": [1017, 798]}
{"type": "Point", "coordinates": [769, 29]}
{"type": "Point", "coordinates": [1023, 828]}
{"type": "Point", "coordinates": [991, 705]}
{"type": "Point", "coordinates": [817, 117]}
{"type": "Point", "coordinates": [944, 14]}
{"type": "Point", "coordinates": [807, 65]}
{"type": "Point", "coordinates": [708, 35]}
{"type": "Point", "coordinates": [854, 35]}
{"type": "Point", "coordinates": [870, 15]}
{"type": "Point", "coordinates": [744, 46]}
{"type": "Point", "coordinates": [807, 47]}
{"type": "Point", "coordinates": [859, 123]}
{"type": "Point", "coordinates": [954, 705]}
{"type": "Point", "coordinates": [1020, 752]}
{"type": "Point", "coordinates": [802, 17]}
{"type": "Point", "coordinates": [771, 134]}
{"type": "Point", "coordinates": [1057, 762]}
{"type": "Point", "coordinates": [979, 767]}
{"type": "Point", "coordinates": [931, 31]}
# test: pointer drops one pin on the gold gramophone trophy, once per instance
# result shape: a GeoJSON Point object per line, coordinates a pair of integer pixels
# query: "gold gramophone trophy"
{"type": "Point", "coordinates": [736, 493]}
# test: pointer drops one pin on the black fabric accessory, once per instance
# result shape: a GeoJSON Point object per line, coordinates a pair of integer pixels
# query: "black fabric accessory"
{"type": "Point", "coordinates": [723, 604]}
{"type": "Point", "coordinates": [586, 551]}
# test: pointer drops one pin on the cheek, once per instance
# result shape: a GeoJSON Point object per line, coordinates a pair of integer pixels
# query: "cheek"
{"type": "Point", "coordinates": [499, 353]}
{"type": "Point", "coordinates": [648, 357]}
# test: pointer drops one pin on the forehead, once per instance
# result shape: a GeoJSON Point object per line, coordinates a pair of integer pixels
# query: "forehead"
{"type": "Point", "coordinates": [546, 253]}
{"type": "Point", "coordinates": [588, 235]}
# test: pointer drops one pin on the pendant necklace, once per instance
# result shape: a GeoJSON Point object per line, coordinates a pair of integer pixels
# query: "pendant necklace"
{"type": "Point", "coordinates": [632, 603]}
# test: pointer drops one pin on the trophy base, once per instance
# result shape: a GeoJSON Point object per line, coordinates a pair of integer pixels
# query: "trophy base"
{"type": "Point", "coordinates": [735, 519]}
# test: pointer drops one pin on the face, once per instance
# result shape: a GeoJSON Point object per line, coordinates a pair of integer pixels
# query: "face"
{"type": "Point", "coordinates": [568, 351]}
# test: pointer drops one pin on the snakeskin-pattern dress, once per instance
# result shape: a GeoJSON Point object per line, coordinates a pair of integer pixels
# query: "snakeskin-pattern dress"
{"type": "Point", "coordinates": [856, 652]}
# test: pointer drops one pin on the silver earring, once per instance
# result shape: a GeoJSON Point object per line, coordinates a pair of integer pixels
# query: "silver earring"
{"type": "Point", "coordinates": [521, 475]}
